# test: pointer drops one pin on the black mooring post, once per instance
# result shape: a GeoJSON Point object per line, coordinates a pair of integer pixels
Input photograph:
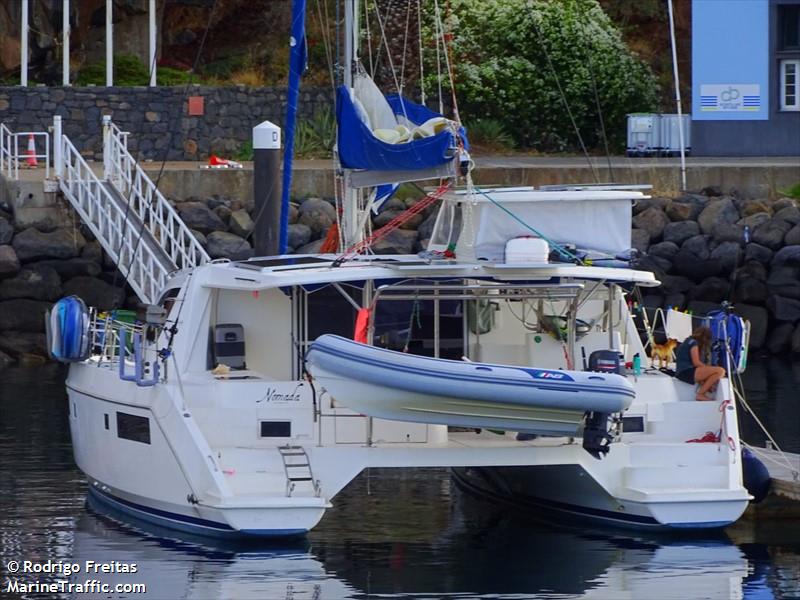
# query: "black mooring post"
{"type": "Point", "coordinates": [267, 188]}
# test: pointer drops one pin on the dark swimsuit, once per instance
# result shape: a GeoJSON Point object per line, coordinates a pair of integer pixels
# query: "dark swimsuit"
{"type": "Point", "coordinates": [683, 361]}
{"type": "Point", "coordinates": [687, 375]}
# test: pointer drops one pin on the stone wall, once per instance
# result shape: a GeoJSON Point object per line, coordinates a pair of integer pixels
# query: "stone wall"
{"type": "Point", "coordinates": [708, 248]}
{"type": "Point", "coordinates": [158, 117]}
{"type": "Point", "coordinates": [705, 248]}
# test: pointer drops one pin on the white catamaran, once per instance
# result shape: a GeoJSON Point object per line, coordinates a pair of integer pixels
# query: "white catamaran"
{"type": "Point", "coordinates": [240, 405]}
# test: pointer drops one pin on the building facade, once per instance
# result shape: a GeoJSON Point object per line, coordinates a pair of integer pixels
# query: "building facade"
{"type": "Point", "coordinates": [746, 78]}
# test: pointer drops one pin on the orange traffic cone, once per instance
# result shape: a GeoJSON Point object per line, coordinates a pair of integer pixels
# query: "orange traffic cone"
{"type": "Point", "coordinates": [31, 152]}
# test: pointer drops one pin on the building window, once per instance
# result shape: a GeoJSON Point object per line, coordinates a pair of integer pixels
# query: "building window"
{"type": "Point", "coordinates": [133, 427]}
{"type": "Point", "coordinates": [789, 27]}
{"type": "Point", "coordinates": [790, 85]}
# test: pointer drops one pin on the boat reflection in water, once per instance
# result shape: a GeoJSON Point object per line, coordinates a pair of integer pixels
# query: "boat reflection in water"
{"type": "Point", "coordinates": [465, 548]}
{"type": "Point", "coordinates": [194, 567]}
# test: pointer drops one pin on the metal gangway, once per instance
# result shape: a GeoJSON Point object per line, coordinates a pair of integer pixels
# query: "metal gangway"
{"type": "Point", "coordinates": [131, 219]}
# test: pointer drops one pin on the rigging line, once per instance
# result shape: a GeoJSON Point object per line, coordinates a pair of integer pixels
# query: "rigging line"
{"type": "Point", "coordinates": [446, 38]}
{"type": "Point", "coordinates": [389, 57]}
{"type": "Point", "coordinates": [419, 41]}
{"type": "Point", "coordinates": [738, 390]}
{"type": "Point", "coordinates": [171, 134]}
{"type": "Point", "coordinates": [563, 96]}
{"type": "Point", "coordinates": [379, 49]}
{"type": "Point", "coordinates": [763, 455]}
{"type": "Point", "coordinates": [338, 39]}
{"type": "Point", "coordinates": [369, 40]}
{"type": "Point", "coordinates": [587, 53]}
{"type": "Point", "coordinates": [405, 45]}
{"type": "Point", "coordinates": [556, 246]}
{"type": "Point", "coordinates": [437, 24]}
{"type": "Point", "coordinates": [324, 25]}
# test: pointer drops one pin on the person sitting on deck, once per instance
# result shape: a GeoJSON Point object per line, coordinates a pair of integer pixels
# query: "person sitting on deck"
{"type": "Point", "coordinates": [691, 369]}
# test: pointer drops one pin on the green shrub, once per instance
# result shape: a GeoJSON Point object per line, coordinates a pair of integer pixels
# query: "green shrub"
{"type": "Point", "coordinates": [245, 151]}
{"type": "Point", "coordinates": [792, 192]}
{"type": "Point", "coordinates": [502, 71]}
{"type": "Point", "coordinates": [315, 137]}
{"type": "Point", "coordinates": [170, 76]}
{"type": "Point", "coordinates": [489, 134]}
{"type": "Point", "coordinates": [130, 71]}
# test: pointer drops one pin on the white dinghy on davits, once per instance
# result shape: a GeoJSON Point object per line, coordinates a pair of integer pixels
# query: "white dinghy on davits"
{"type": "Point", "coordinates": [404, 387]}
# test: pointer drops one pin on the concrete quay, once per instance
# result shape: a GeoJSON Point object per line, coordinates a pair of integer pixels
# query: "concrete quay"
{"type": "Point", "coordinates": [752, 177]}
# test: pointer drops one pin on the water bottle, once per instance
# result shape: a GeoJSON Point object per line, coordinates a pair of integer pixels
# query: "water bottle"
{"type": "Point", "coordinates": [747, 234]}
{"type": "Point", "coordinates": [637, 364]}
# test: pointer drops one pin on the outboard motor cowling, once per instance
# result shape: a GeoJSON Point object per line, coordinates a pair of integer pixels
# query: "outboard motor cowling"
{"type": "Point", "coordinates": [605, 361]}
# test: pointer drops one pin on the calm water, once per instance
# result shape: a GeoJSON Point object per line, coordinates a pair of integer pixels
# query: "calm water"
{"type": "Point", "coordinates": [392, 533]}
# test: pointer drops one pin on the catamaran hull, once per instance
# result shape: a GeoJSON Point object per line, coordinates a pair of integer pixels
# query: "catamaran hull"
{"type": "Point", "coordinates": [569, 492]}
{"type": "Point", "coordinates": [148, 482]}
{"type": "Point", "coordinates": [402, 387]}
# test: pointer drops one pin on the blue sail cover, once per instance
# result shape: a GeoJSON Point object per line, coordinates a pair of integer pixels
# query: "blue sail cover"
{"type": "Point", "coordinates": [360, 149]}
{"type": "Point", "coordinates": [297, 65]}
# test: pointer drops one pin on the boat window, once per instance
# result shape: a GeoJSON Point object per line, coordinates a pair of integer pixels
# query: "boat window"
{"type": "Point", "coordinates": [133, 427]}
{"type": "Point", "coordinates": [105, 420]}
{"type": "Point", "coordinates": [633, 424]}
{"type": "Point", "coordinates": [327, 301]}
{"type": "Point", "coordinates": [167, 299]}
{"type": "Point", "coordinates": [447, 227]}
{"type": "Point", "coordinates": [276, 429]}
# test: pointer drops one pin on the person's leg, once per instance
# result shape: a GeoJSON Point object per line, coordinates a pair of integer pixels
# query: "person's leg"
{"type": "Point", "coordinates": [707, 377]}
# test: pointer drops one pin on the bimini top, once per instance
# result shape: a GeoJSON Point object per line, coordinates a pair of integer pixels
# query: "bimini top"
{"type": "Point", "coordinates": [480, 221]}
{"type": "Point", "coordinates": [309, 270]}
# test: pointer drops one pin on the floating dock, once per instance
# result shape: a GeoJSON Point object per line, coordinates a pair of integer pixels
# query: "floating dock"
{"type": "Point", "coordinates": [785, 477]}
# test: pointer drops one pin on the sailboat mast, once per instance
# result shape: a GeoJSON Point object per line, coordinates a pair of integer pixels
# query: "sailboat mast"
{"type": "Point", "coordinates": [677, 94]}
{"type": "Point", "coordinates": [351, 228]}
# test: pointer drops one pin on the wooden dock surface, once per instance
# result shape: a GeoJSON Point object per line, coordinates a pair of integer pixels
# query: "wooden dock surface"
{"type": "Point", "coordinates": [785, 477]}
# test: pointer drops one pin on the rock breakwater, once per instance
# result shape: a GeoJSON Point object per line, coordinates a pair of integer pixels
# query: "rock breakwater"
{"type": "Point", "coordinates": [710, 247]}
{"type": "Point", "coordinates": [705, 248]}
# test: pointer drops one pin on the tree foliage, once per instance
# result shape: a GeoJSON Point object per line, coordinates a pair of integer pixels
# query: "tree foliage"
{"type": "Point", "coordinates": [510, 56]}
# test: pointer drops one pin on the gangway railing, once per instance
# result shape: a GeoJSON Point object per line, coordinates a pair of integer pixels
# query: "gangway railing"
{"type": "Point", "coordinates": [109, 221]}
{"type": "Point", "coordinates": [10, 157]}
{"type": "Point", "coordinates": [160, 219]}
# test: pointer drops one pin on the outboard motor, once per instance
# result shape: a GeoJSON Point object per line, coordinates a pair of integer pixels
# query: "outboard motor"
{"type": "Point", "coordinates": [605, 361]}
{"type": "Point", "coordinates": [596, 437]}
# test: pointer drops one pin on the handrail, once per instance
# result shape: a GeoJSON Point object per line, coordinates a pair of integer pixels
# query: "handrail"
{"type": "Point", "coordinates": [10, 156]}
{"type": "Point", "coordinates": [6, 156]}
{"type": "Point", "coordinates": [149, 204]}
{"type": "Point", "coordinates": [110, 225]}
{"type": "Point", "coordinates": [138, 361]}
